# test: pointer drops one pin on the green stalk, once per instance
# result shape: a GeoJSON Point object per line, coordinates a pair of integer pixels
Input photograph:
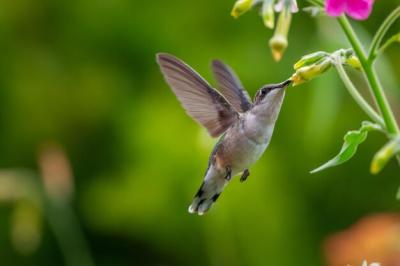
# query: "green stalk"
{"type": "Point", "coordinates": [371, 76]}
{"type": "Point", "coordinates": [376, 41]}
{"type": "Point", "coordinates": [66, 229]}
{"type": "Point", "coordinates": [366, 63]}
{"type": "Point", "coordinates": [395, 38]}
{"type": "Point", "coordinates": [381, 100]}
{"type": "Point", "coordinates": [316, 3]}
{"type": "Point", "coordinates": [357, 96]}
{"type": "Point", "coordinates": [352, 37]}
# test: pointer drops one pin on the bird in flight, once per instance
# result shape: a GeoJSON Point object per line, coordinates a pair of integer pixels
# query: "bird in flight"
{"type": "Point", "coordinates": [244, 127]}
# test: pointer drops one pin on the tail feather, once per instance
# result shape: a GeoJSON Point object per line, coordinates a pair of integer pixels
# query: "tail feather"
{"type": "Point", "coordinates": [208, 193]}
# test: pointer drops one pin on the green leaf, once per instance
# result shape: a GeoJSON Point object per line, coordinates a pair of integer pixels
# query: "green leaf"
{"type": "Point", "coordinates": [351, 141]}
{"type": "Point", "coordinates": [386, 153]}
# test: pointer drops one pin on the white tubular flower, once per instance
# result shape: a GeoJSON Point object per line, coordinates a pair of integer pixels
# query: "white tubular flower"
{"type": "Point", "coordinates": [268, 13]}
{"type": "Point", "coordinates": [242, 6]}
{"type": "Point", "coordinates": [279, 42]}
{"type": "Point", "coordinates": [290, 5]}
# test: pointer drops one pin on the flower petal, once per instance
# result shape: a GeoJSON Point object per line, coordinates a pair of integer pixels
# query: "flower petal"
{"type": "Point", "coordinates": [335, 8]}
{"type": "Point", "coordinates": [359, 9]}
{"type": "Point", "coordinates": [279, 6]}
{"type": "Point", "coordinates": [293, 7]}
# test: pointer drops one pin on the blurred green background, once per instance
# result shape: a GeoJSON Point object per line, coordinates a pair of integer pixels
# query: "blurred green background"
{"type": "Point", "coordinates": [83, 74]}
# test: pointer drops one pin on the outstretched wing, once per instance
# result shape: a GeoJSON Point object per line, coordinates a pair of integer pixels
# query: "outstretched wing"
{"type": "Point", "coordinates": [200, 100]}
{"type": "Point", "coordinates": [231, 87]}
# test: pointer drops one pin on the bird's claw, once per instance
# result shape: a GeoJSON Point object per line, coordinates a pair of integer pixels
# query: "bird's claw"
{"type": "Point", "coordinates": [244, 176]}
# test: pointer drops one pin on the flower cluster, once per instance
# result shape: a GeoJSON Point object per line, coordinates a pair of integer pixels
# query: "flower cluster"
{"type": "Point", "coordinates": [357, 9]}
{"type": "Point", "coordinates": [278, 43]}
{"type": "Point", "coordinates": [315, 64]}
{"type": "Point", "coordinates": [311, 66]}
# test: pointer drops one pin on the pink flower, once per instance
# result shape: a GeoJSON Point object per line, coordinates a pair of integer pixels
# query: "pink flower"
{"type": "Point", "coordinates": [357, 9]}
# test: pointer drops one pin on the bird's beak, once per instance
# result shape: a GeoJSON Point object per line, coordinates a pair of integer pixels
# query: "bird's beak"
{"type": "Point", "coordinates": [282, 85]}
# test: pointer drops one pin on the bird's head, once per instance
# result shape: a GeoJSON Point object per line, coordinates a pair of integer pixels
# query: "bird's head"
{"type": "Point", "coordinates": [271, 94]}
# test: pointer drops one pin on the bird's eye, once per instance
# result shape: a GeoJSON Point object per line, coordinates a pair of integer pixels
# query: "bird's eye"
{"type": "Point", "coordinates": [263, 92]}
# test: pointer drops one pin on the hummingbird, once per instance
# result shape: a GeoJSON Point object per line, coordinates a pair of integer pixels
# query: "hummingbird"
{"type": "Point", "coordinates": [244, 126]}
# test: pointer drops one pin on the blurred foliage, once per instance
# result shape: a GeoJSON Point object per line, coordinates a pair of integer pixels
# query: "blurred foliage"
{"type": "Point", "coordinates": [83, 73]}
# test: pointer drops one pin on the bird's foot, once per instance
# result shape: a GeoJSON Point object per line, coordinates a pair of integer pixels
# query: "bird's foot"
{"type": "Point", "coordinates": [228, 173]}
{"type": "Point", "coordinates": [244, 176]}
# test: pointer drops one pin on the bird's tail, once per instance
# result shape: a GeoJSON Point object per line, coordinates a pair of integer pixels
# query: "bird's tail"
{"type": "Point", "coordinates": [207, 194]}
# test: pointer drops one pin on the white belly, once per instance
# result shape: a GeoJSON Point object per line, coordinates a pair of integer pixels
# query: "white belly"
{"type": "Point", "coordinates": [241, 148]}
{"type": "Point", "coordinates": [246, 153]}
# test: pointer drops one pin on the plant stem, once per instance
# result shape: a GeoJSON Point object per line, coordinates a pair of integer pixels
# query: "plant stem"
{"type": "Point", "coordinates": [357, 96]}
{"type": "Point", "coordinates": [316, 3]}
{"type": "Point", "coordinates": [390, 41]}
{"type": "Point", "coordinates": [354, 41]}
{"type": "Point", "coordinates": [381, 100]}
{"type": "Point", "coordinates": [371, 76]}
{"type": "Point", "coordinates": [66, 229]}
{"type": "Point", "coordinates": [376, 41]}
{"type": "Point", "coordinates": [379, 95]}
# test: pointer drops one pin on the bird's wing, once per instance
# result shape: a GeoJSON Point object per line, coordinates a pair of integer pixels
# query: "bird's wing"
{"type": "Point", "coordinates": [200, 100]}
{"type": "Point", "coordinates": [231, 87]}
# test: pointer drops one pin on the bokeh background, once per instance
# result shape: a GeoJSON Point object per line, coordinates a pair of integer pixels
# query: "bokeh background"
{"type": "Point", "coordinates": [99, 162]}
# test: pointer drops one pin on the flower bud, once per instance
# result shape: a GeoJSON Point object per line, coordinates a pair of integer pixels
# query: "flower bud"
{"type": "Point", "coordinates": [56, 171]}
{"type": "Point", "coordinates": [307, 73]}
{"type": "Point", "coordinates": [278, 43]}
{"type": "Point", "coordinates": [268, 13]}
{"type": "Point", "coordinates": [345, 52]}
{"type": "Point", "coordinates": [240, 7]}
{"type": "Point", "coordinates": [382, 157]}
{"type": "Point", "coordinates": [354, 62]}
{"type": "Point", "coordinates": [310, 59]}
